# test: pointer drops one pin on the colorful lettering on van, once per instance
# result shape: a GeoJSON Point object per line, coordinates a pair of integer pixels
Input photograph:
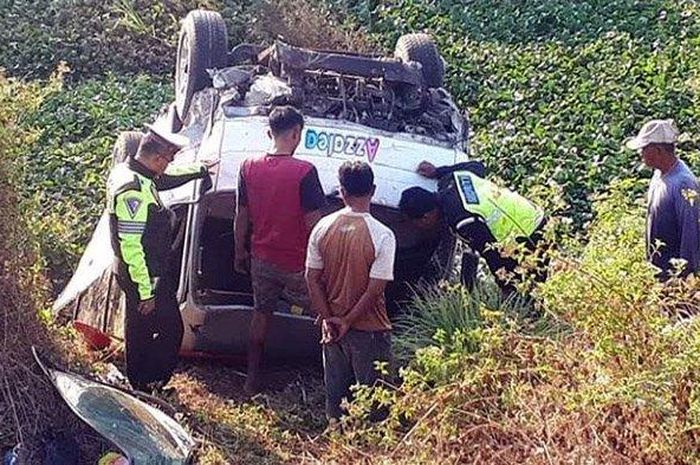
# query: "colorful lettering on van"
{"type": "Point", "coordinates": [339, 144]}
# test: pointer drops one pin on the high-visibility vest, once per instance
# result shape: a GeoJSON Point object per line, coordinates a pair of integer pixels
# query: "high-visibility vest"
{"type": "Point", "coordinates": [140, 226]}
{"type": "Point", "coordinates": [507, 214]}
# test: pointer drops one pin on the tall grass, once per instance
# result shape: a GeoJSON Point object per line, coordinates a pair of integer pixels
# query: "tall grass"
{"type": "Point", "coordinates": [619, 385]}
{"type": "Point", "coordinates": [28, 405]}
{"type": "Point", "coordinates": [438, 314]}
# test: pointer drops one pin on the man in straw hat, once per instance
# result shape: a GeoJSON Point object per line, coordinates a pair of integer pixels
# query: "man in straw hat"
{"type": "Point", "coordinates": [673, 228]}
{"type": "Point", "coordinates": [142, 233]}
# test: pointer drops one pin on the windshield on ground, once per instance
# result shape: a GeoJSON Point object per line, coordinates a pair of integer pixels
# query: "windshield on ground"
{"type": "Point", "coordinates": [143, 433]}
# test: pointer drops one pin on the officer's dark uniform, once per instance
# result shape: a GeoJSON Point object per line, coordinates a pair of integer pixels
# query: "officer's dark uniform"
{"type": "Point", "coordinates": [142, 234]}
{"type": "Point", "coordinates": [456, 206]}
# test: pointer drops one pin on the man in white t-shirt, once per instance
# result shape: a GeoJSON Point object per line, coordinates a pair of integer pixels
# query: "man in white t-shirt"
{"type": "Point", "coordinates": [350, 260]}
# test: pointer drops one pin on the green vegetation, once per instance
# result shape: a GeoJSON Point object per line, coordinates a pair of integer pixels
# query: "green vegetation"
{"type": "Point", "coordinates": [620, 384]}
{"type": "Point", "coordinates": [446, 313]}
{"type": "Point", "coordinates": [608, 374]}
{"type": "Point", "coordinates": [553, 88]}
{"type": "Point", "coordinates": [95, 37]}
{"type": "Point", "coordinates": [24, 396]}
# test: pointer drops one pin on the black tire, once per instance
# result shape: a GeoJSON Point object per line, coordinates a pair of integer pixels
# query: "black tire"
{"type": "Point", "coordinates": [126, 146]}
{"type": "Point", "coordinates": [421, 48]}
{"type": "Point", "coordinates": [203, 44]}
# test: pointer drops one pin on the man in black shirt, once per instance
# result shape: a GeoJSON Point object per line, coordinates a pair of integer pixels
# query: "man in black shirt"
{"type": "Point", "coordinates": [480, 213]}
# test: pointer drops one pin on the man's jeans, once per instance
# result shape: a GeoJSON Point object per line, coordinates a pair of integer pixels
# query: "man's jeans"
{"type": "Point", "coordinates": [352, 360]}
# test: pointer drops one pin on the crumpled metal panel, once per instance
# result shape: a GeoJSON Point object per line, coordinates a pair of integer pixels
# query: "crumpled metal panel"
{"type": "Point", "coordinates": [376, 92]}
{"type": "Point", "coordinates": [391, 69]}
{"type": "Point", "coordinates": [198, 114]}
{"type": "Point", "coordinates": [98, 256]}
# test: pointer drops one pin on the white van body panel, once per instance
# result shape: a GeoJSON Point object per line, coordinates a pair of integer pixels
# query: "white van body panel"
{"type": "Point", "coordinates": [327, 144]}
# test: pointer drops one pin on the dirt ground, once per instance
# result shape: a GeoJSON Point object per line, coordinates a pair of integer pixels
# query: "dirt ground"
{"type": "Point", "coordinates": [282, 424]}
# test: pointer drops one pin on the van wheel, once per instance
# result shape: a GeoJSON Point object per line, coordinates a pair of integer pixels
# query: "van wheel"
{"type": "Point", "coordinates": [421, 48]}
{"type": "Point", "coordinates": [203, 45]}
{"type": "Point", "coordinates": [126, 146]}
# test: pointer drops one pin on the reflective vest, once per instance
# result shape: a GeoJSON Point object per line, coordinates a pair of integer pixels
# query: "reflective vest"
{"type": "Point", "coordinates": [140, 225]}
{"type": "Point", "coordinates": [507, 214]}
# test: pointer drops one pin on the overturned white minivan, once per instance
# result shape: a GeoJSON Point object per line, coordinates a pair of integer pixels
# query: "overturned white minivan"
{"type": "Point", "coordinates": [391, 112]}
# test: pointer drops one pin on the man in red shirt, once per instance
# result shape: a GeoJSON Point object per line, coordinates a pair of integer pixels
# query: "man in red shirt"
{"type": "Point", "coordinates": [279, 202]}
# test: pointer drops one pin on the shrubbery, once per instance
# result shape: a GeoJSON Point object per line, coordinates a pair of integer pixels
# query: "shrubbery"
{"type": "Point", "coordinates": [323, 25]}
{"type": "Point", "coordinates": [23, 289]}
{"type": "Point", "coordinates": [140, 36]}
{"type": "Point", "coordinates": [95, 37]}
{"type": "Point", "coordinates": [27, 398]}
{"type": "Point", "coordinates": [618, 385]}
{"type": "Point", "coordinates": [555, 87]}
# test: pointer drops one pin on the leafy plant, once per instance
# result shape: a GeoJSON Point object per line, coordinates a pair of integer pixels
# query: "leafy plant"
{"type": "Point", "coordinates": [95, 37]}
{"type": "Point", "coordinates": [23, 289]}
{"type": "Point", "coordinates": [619, 385]}
{"type": "Point", "coordinates": [450, 313]}
{"type": "Point", "coordinates": [65, 169]}
{"type": "Point", "coordinates": [554, 88]}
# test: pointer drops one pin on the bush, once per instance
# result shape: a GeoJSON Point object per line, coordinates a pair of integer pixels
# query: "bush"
{"type": "Point", "coordinates": [26, 398]}
{"type": "Point", "coordinates": [95, 37]}
{"type": "Point", "coordinates": [448, 313]}
{"type": "Point", "coordinates": [322, 25]}
{"type": "Point", "coordinates": [140, 36]}
{"type": "Point", "coordinates": [620, 386]}
{"type": "Point", "coordinates": [65, 169]}
{"type": "Point", "coordinates": [554, 88]}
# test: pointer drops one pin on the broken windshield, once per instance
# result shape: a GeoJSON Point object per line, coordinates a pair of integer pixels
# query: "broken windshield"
{"type": "Point", "coordinates": [143, 433]}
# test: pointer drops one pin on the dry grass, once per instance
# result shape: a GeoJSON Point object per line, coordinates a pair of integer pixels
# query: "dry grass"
{"type": "Point", "coordinates": [277, 426]}
{"type": "Point", "coordinates": [22, 409]}
{"type": "Point", "coordinates": [306, 23]}
{"type": "Point", "coordinates": [29, 405]}
{"type": "Point", "coordinates": [24, 392]}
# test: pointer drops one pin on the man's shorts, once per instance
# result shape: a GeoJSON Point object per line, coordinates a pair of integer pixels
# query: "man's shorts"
{"type": "Point", "coordinates": [270, 284]}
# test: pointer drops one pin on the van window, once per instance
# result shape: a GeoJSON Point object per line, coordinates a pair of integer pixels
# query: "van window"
{"type": "Point", "coordinates": [216, 282]}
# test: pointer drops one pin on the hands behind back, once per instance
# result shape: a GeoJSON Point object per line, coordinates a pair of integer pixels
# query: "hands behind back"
{"type": "Point", "coordinates": [333, 329]}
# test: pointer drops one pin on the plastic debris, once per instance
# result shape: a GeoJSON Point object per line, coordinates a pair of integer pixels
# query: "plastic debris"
{"type": "Point", "coordinates": [11, 457]}
{"type": "Point", "coordinates": [144, 433]}
{"type": "Point", "coordinates": [267, 90]}
{"type": "Point", "coordinates": [113, 458]}
{"type": "Point", "coordinates": [230, 77]}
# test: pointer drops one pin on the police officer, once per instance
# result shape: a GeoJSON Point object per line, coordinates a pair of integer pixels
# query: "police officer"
{"type": "Point", "coordinates": [142, 234]}
{"type": "Point", "coordinates": [480, 213]}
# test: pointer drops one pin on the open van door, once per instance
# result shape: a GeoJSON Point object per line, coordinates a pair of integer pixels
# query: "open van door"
{"type": "Point", "coordinates": [92, 296]}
